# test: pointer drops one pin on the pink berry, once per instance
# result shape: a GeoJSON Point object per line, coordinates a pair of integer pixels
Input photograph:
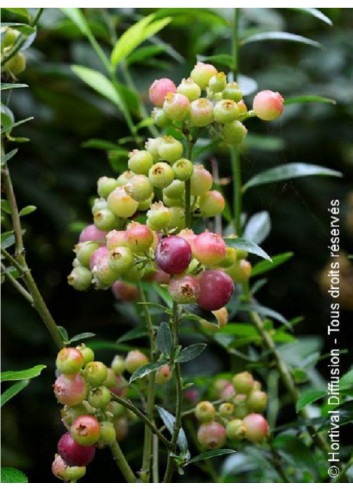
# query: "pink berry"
{"type": "Point", "coordinates": [98, 255]}
{"type": "Point", "coordinates": [184, 290]}
{"type": "Point", "coordinates": [228, 391]}
{"type": "Point", "coordinates": [211, 435]}
{"type": "Point", "coordinates": [268, 105]}
{"type": "Point", "coordinates": [159, 90]}
{"type": "Point", "coordinates": [134, 360]}
{"type": "Point", "coordinates": [124, 291]}
{"type": "Point", "coordinates": [91, 233]}
{"type": "Point", "coordinates": [173, 254]}
{"type": "Point", "coordinates": [115, 239]}
{"type": "Point", "coordinates": [138, 237]}
{"type": "Point", "coordinates": [176, 106]}
{"type": "Point", "coordinates": [256, 427]}
{"type": "Point", "coordinates": [209, 249]}
{"type": "Point", "coordinates": [73, 453]}
{"type": "Point", "coordinates": [69, 360]}
{"type": "Point", "coordinates": [216, 289]}
{"type": "Point", "coordinates": [201, 180]}
{"type": "Point", "coordinates": [188, 235]}
{"type": "Point", "coordinates": [164, 375]}
{"type": "Point", "coordinates": [211, 203]}
{"type": "Point", "coordinates": [70, 389]}
{"type": "Point", "coordinates": [85, 430]}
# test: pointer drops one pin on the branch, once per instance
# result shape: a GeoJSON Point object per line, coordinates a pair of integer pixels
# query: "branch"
{"type": "Point", "coordinates": [122, 463]}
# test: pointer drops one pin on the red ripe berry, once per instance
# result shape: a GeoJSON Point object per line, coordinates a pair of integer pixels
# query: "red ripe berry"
{"type": "Point", "coordinates": [85, 430]}
{"type": "Point", "coordinates": [91, 233]}
{"type": "Point", "coordinates": [70, 389]}
{"type": "Point", "coordinates": [159, 90]}
{"type": "Point", "coordinates": [216, 289]}
{"type": "Point", "coordinates": [209, 249]}
{"type": "Point", "coordinates": [173, 255]}
{"type": "Point", "coordinates": [73, 453]}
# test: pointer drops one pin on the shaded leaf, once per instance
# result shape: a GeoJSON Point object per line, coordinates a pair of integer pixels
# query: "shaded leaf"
{"type": "Point", "coordinates": [314, 12]}
{"type": "Point", "coordinates": [280, 36]}
{"type": "Point", "coordinates": [9, 155]}
{"type": "Point", "coordinates": [141, 54]}
{"type": "Point", "coordinates": [291, 170]}
{"type": "Point", "coordinates": [169, 421]}
{"type": "Point", "coordinates": [9, 474]}
{"type": "Point", "coordinates": [309, 99]}
{"type": "Point", "coordinates": [147, 369]}
{"type": "Point", "coordinates": [164, 339]}
{"type": "Point", "coordinates": [190, 352]}
{"type": "Point", "coordinates": [258, 227]}
{"type": "Point", "coordinates": [12, 391]}
{"type": "Point", "coordinates": [132, 335]}
{"type": "Point", "coordinates": [81, 336]}
{"type": "Point", "coordinates": [244, 244]}
{"type": "Point", "coordinates": [296, 453]}
{"type": "Point", "coordinates": [346, 382]}
{"type": "Point", "coordinates": [265, 311]}
{"type": "Point", "coordinates": [63, 333]}
{"type": "Point", "coordinates": [265, 266]}
{"type": "Point", "coordinates": [22, 12]}
{"type": "Point", "coordinates": [77, 17]}
{"type": "Point", "coordinates": [11, 86]}
{"type": "Point", "coordinates": [27, 210]}
{"type": "Point", "coordinates": [29, 373]}
{"type": "Point", "coordinates": [15, 124]}
{"type": "Point", "coordinates": [194, 310]}
{"type": "Point", "coordinates": [210, 454]}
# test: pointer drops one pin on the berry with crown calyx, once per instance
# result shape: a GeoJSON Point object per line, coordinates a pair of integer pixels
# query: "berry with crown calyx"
{"type": "Point", "coordinates": [85, 430]}
{"type": "Point", "coordinates": [159, 89]}
{"type": "Point", "coordinates": [201, 112]}
{"type": "Point", "coordinates": [189, 88]}
{"type": "Point", "coordinates": [211, 203]}
{"type": "Point", "coordinates": [202, 74]}
{"type": "Point", "coordinates": [232, 92]}
{"type": "Point", "coordinates": [183, 169]}
{"type": "Point", "coordinates": [184, 290]}
{"type": "Point", "coordinates": [216, 289]}
{"type": "Point", "coordinates": [140, 161]}
{"type": "Point", "coordinates": [173, 254]}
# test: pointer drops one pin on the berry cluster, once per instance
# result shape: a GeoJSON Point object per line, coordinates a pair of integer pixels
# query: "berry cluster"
{"type": "Point", "coordinates": [17, 63]}
{"type": "Point", "coordinates": [237, 418]}
{"type": "Point", "coordinates": [92, 417]}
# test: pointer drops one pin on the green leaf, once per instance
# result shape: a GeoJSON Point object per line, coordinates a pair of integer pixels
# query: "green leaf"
{"type": "Point", "coordinates": [101, 144]}
{"type": "Point", "coordinates": [24, 28]}
{"type": "Point", "coordinates": [147, 369]}
{"type": "Point", "coordinates": [77, 17]}
{"type": "Point", "coordinates": [27, 210]}
{"type": "Point", "coordinates": [9, 155]}
{"type": "Point", "coordinates": [264, 266]}
{"type": "Point", "coordinates": [314, 12]}
{"type": "Point", "coordinates": [280, 36]}
{"type": "Point", "coordinates": [210, 454]}
{"type": "Point", "coordinates": [265, 311]}
{"type": "Point", "coordinates": [132, 335]}
{"type": "Point", "coordinates": [63, 333]}
{"type": "Point", "coordinates": [295, 453]}
{"type": "Point", "coordinates": [29, 373]}
{"type": "Point", "coordinates": [244, 244]}
{"type": "Point", "coordinates": [135, 35]}
{"type": "Point", "coordinates": [169, 421]}
{"type": "Point", "coordinates": [346, 382]}
{"type": "Point", "coordinates": [258, 227]}
{"type": "Point", "coordinates": [5, 206]}
{"type": "Point", "coordinates": [12, 391]}
{"type": "Point", "coordinates": [164, 339]}
{"type": "Point", "coordinates": [163, 294]}
{"type": "Point", "coordinates": [140, 54]}
{"type": "Point", "coordinates": [8, 475]}
{"type": "Point", "coordinates": [220, 59]}
{"type": "Point", "coordinates": [190, 352]}
{"type": "Point", "coordinates": [21, 12]}
{"type": "Point", "coordinates": [195, 311]}
{"type": "Point", "coordinates": [11, 86]}
{"type": "Point", "coordinates": [15, 124]}
{"type": "Point", "coordinates": [99, 83]}
{"type": "Point", "coordinates": [81, 336]}
{"type": "Point", "coordinates": [291, 170]}
{"type": "Point", "coordinates": [309, 99]}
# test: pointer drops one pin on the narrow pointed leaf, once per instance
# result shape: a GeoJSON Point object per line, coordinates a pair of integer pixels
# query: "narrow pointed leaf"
{"type": "Point", "coordinates": [280, 36]}
{"type": "Point", "coordinates": [210, 454]}
{"type": "Point", "coordinates": [258, 227]}
{"type": "Point", "coordinates": [12, 391]}
{"type": "Point", "coordinates": [190, 352]}
{"type": "Point", "coordinates": [244, 244]}
{"type": "Point", "coordinates": [264, 266]}
{"type": "Point", "coordinates": [305, 99]}
{"type": "Point", "coordinates": [29, 373]}
{"type": "Point", "coordinates": [164, 339]}
{"type": "Point", "coordinates": [146, 369]}
{"type": "Point", "coordinates": [314, 12]}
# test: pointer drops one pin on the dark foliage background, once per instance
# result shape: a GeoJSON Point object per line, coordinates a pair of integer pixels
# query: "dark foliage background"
{"type": "Point", "coordinates": [57, 174]}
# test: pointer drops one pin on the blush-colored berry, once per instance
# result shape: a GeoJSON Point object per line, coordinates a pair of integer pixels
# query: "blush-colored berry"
{"type": "Point", "coordinates": [209, 248]}
{"type": "Point", "coordinates": [70, 389]}
{"type": "Point", "coordinates": [73, 453]}
{"type": "Point", "coordinates": [134, 360]}
{"type": "Point", "coordinates": [216, 289]}
{"type": "Point", "coordinates": [91, 233]}
{"type": "Point", "coordinates": [176, 106]}
{"type": "Point", "coordinates": [201, 112]}
{"type": "Point", "coordinates": [69, 360]}
{"type": "Point", "coordinates": [173, 254]}
{"type": "Point", "coordinates": [159, 90]}
{"type": "Point", "coordinates": [184, 290]}
{"type": "Point", "coordinates": [205, 411]}
{"type": "Point", "coordinates": [85, 430]}
{"type": "Point", "coordinates": [124, 291]}
{"type": "Point", "coordinates": [138, 237]}
{"type": "Point", "coordinates": [211, 203]}
{"type": "Point", "coordinates": [164, 375]}
{"type": "Point", "coordinates": [211, 435]}
{"type": "Point", "coordinates": [118, 364]}
{"type": "Point", "coordinates": [268, 105]}
{"type": "Point", "coordinates": [202, 73]}
{"type": "Point", "coordinates": [256, 427]}
{"type": "Point", "coordinates": [200, 181]}
{"type": "Point", "coordinates": [227, 392]}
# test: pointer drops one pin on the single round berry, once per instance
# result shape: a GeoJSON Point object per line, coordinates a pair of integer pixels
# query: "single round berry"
{"type": "Point", "coordinates": [161, 175]}
{"type": "Point", "coordinates": [98, 255]}
{"type": "Point", "coordinates": [124, 178]}
{"type": "Point", "coordinates": [124, 291]}
{"type": "Point", "coordinates": [201, 112]}
{"type": "Point", "coordinates": [108, 434]}
{"type": "Point", "coordinates": [115, 238]}
{"type": "Point", "coordinates": [104, 274]}
{"type": "Point", "coordinates": [209, 249]}
{"type": "Point", "coordinates": [70, 389]}
{"type": "Point", "coordinates": [74, 454]}
{"type": "Point", "coordinates": [134, 360]}
{"type": "Point", "coordinates": [159, 89]}
{"type": "Point", "coordinates": [139, 188]}
{"type": "Point", "coordinates": [183, 169]}
{"type": "Point", "coordinates": [256, 427]}
{"type": "Point", "coordinates": [226, 409]}
{"type": "Point", "coordinates": [184, 290]}
{"type": "Point", "coordinates": [173, 254]}
{"type": "Point", "coordinates": [170, 149]}
{"type": "Point", "coordinates": [175, 190]}
{"type": "Point", "coordinates": [257, 401]}
{"type": "Point", "coordinates": [80, 278]}
{"type": "Point", "coordinates": [232, 92]}
{"type": "Point", "coordinates": [164, 375]}
{"type": "Point", "coordinates": [268, 105]}
{"type": "Point", "coordinates": [91, 233]}
{"type": "Point", "coordinates": [218, 82]}
{"type": "Point", "coordinates": [16, 64]}
{"type": "Point", "coordinates": [205, 411]}
{"type": "Point", "coordinates": [202, 73]}
{"type": "Point", "coordinates": [218, 386]}
{"type": "Point", "coordinates": [140, 161]}
{"type": "Point", "coordinates": [158, 217]}
{"type": "Point", "coordinates": [211, 203]}
{"type": "Point", "coordinates": [115, 409]}
{"type": "Point", "coordinates": [99, 397]}
{"type": "Point", "coordinates": [70, 413]}
{"type": "Point", "coordinates": [234, 133]}
{"type": "Point", "coordinates": [139, 237]}
{"type": "Point", "coordinates": [201, 180]}
{"type": "Point", "coordinates": [226, 111]}
{"type": "Point", "coordinates": [121, 204]}
{"type": "Point", "coordinates": [105, 220]}
{"type": "Point", "coordinates": [211, 435]}
{"type": "Point", "coordinates": [105, 185]}
{"type": "Point", "coordinates": [243, 382]}
{"type": "Point", "coordinates": [95, 373]}
{"type": "Point", "coordinates": [235, 430]}
{"type": "Point", "coordinates": [176, 106]}
{"type": "Point", "coordinates": [85, 430]}
{"type": "Point", "coordinates": [216, 289]}
{"type": "Point", "coordinates": [227, 392]}
{"type": "Point", "coordinates": [84, 251]}
{"type": "Point", "coordinates": [189, 88]}
{"type": "Point", "coordinates": [118, 364]}
{"type": "Point", "coordinates": [152, 146]}
{"type": "Point", "coordinates": [120, 259]}
{"type": "Point", "coordinates": [160, 118]}
{"type": "Point", "coordinates": [69, 360]}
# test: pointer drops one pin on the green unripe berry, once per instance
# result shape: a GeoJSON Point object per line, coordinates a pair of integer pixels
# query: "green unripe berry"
{"type": "Point", "coordinates": [175, 190]}
{"type": "Point", "coordinates": [95, 373]}
{"type": "Point", "coordinates": [160, 118]}
{"type": "Point", "coordinates": [201, 180]}
{"type": "Point", "coordinates": [211, 203]}
{"type": "Point", "coordinates": [232, 92]}
{"type": "Point", "coordinates": [115, 409]}
{"type": "Point", "coordinates": [243, 382]}
{"type": "Point", "coordinates": [226, 111]}
{"type": "Point", "coordinates": [239, 271]}
{"type": "Point", "coordinates": [146, 204]}
{"type": "Point", "coordinates": [205, 411]}
{"type": "Point", "coordinates": [135, 273]}
{"type": "Point", "coordinates": [177, 220]}
{"type": "Point", "coordinates": [9, 36]}
{"type": "Point", "coordinates": [226, 409]}
{"type": "Point", "coordinates": [84, 251]}
{"type": "Point", "coordinates": [183, 169]}
{"type": "Point", "coordinates": [87, 353]}
{"type": "Point", "coordinates": [189, 88]}
{"type": "Point", "coordinates": [69, 360]}
{"type": "Point", "coordinates": [120, 259]}
{"type": "Point", "coordinates": [218, 82]}
{"type": "Point", "coordinates": [240, 406]}
{"type": "Point", "coordinates": [235, 430]}
{"type": "Point", "coordinates": [201, 112]}
{"type": "Point", "coordinates": [257, 401]}
{"type": "Point", "coordinates": [107, 435]}
{"type": "Point", "coordinates": [99, 397]}
{"type": "Point", "coordinates": [161, 175]}
{"type": "Point", "coordinates": [110, 381]}
{"type": "Point", "coordinates": [139, 237]}
{"type": "Point", "coordinates": [16, 64]}
{"type": "Point", "coordinates": [229, 259]}
{"type": "Point", "coordinates": [202, 73]}
{"type": "Point", "coordinates": [170, 149]}
{"type": "Point", "coordinates": [74, 473]}
{"type": "Point", "coordinates": [118, 365]}
{"type": "Point", "coordinates": [140, 162]}
{"type": "Point", "coordinates": [124, 178]}
{"type": "Point", "coordinates": [80, 278]}
{"type": "Point", "coordinates": [98, 205]}
{"type": "Point", "coordinates": [105, 185]}
{"type": "Point", "coordinates": [234, 133]}
{"type": "Point", "coordinates": [139, 188]}
{"type": "Point", "coordinates": [158, 217]}
{"type": "Point", "coordinates": [152, 145]}
{"type": "Point", "coordinates": [121, 204]}
{"type": "Point", "coordinates": [104, 220]}
{"type": "Point", "coordinates": [172, 202]}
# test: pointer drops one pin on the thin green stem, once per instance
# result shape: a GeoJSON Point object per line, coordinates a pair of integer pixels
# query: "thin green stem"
{"type": "Point", "coordinates": [21, 39]}
{"type": "Point", "coordinates": [155, 459]}
{"type": "Point", "coordinates": [235, 43]}
{"type": "Point", "coordinates": [122, 463]}
{"type": "Point", "coordinates": [16, 284]}
{"type": "Point", "coordinates": [15, 216]}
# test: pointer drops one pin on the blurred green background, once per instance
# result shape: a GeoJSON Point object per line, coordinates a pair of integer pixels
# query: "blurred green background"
{"type": "Point", "coordinates": [57, 173]}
